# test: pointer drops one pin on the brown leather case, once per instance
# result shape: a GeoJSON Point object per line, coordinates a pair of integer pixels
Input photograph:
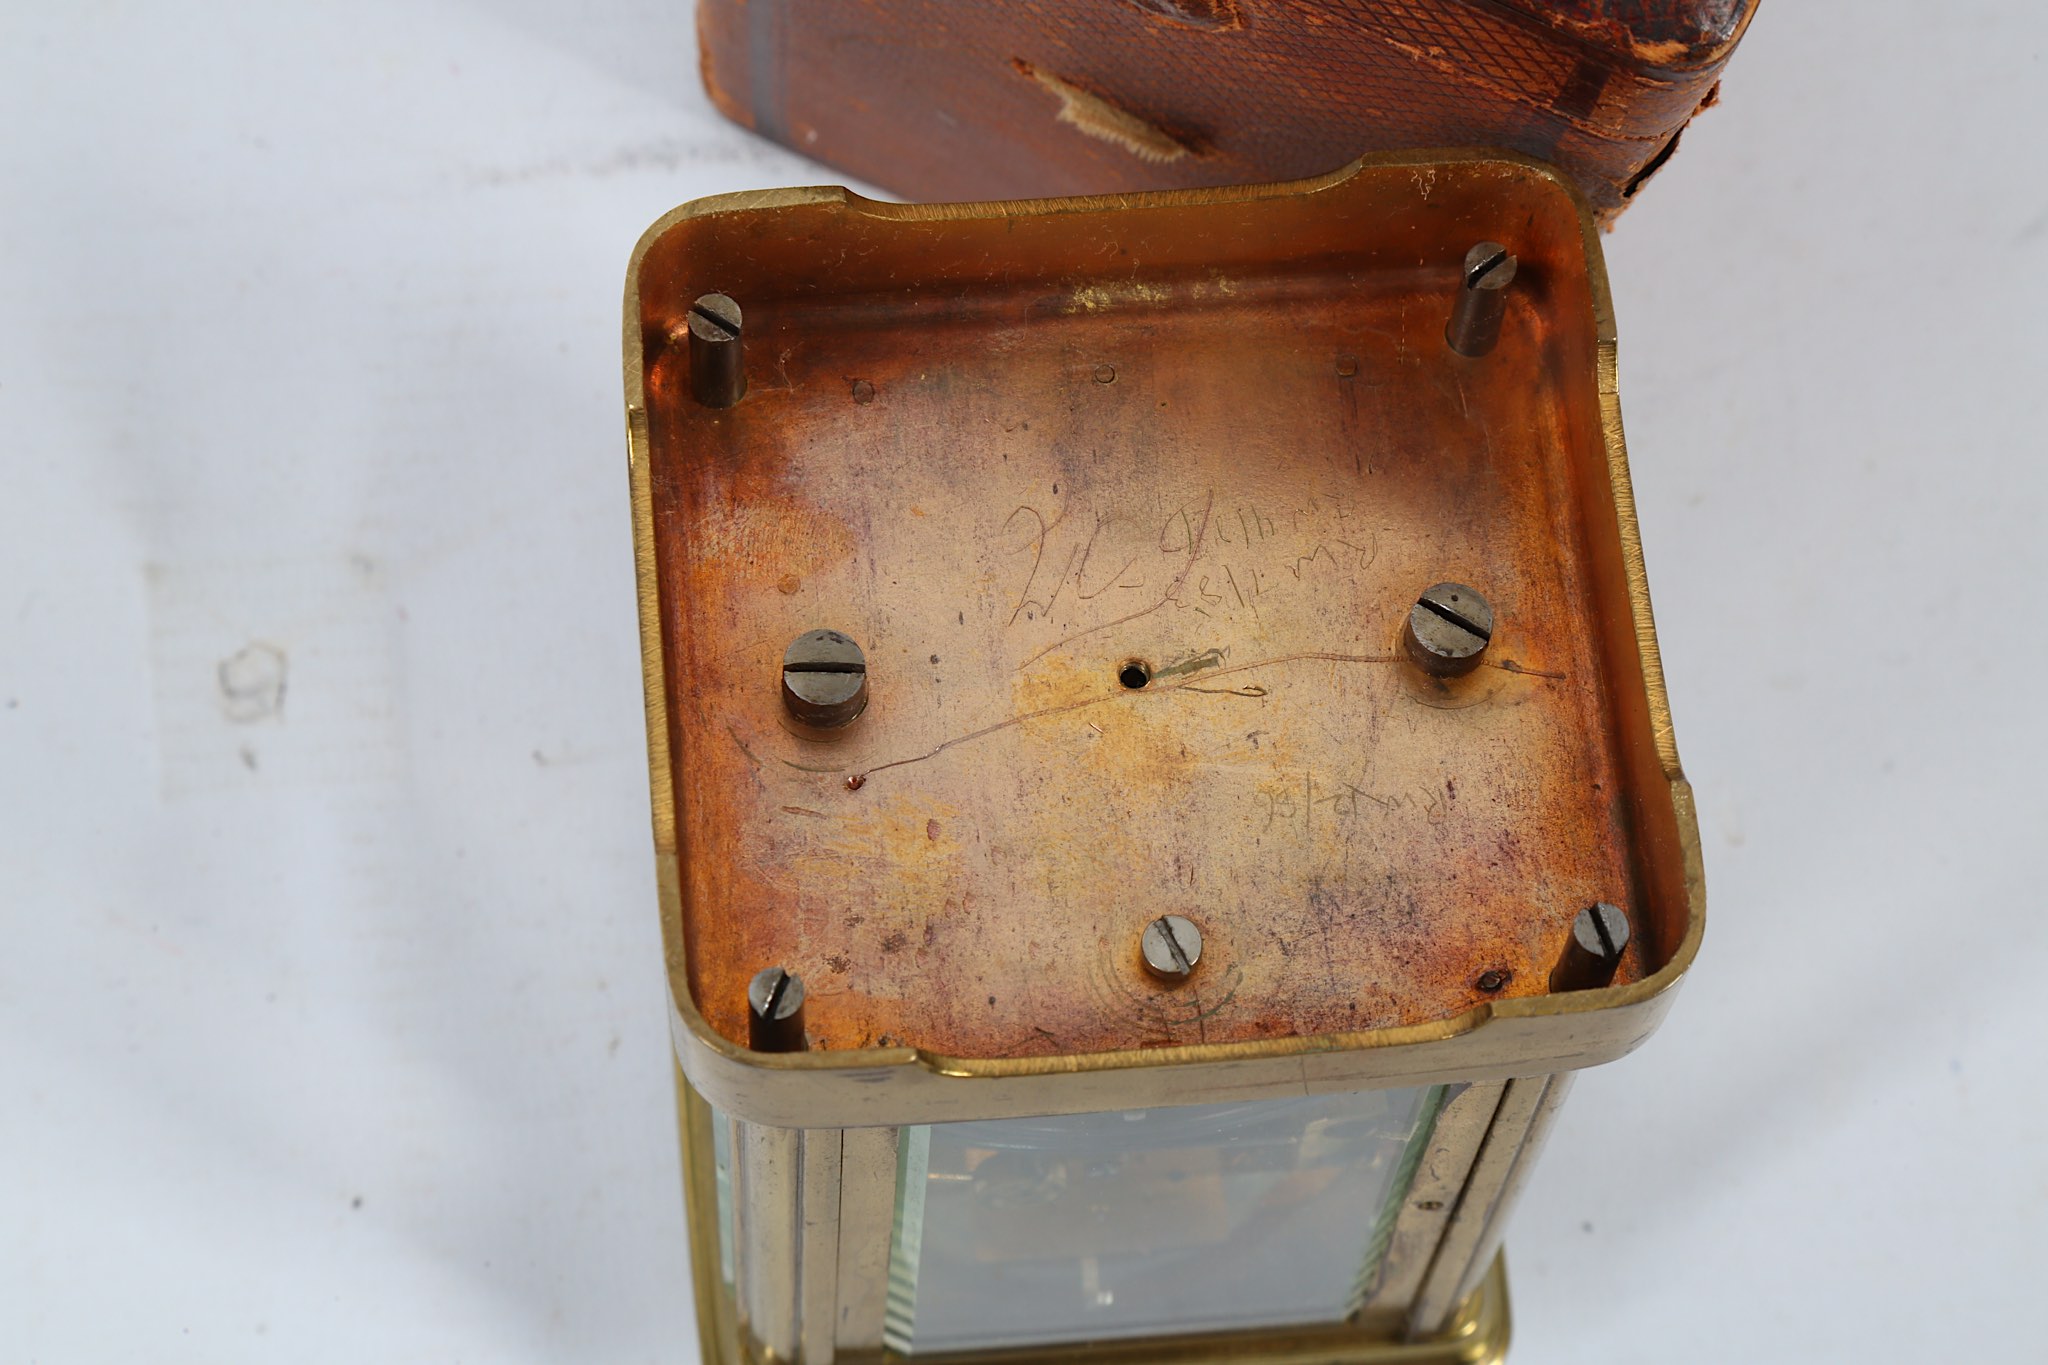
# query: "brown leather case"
{"type": "Point", "coordinates": [960, 99]}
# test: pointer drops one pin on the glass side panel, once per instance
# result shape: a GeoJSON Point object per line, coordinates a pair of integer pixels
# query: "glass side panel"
{"type": "Point", "coordinates": [1017, 1232]}
{"type": "Point", "coordinates": [721, 1158]}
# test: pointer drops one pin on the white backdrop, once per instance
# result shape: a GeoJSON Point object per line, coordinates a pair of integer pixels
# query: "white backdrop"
{"type": "Point", "coordinates": [331, 1024]}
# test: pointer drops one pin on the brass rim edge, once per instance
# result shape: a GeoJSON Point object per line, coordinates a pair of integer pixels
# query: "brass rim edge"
{"type": "Point", "coordinates": [744, 201]}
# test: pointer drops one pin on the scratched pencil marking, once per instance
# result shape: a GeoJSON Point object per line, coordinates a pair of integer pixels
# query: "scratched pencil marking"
{"type": "Point", "coordinates": [1149, 692]}
{"type": "Point", "coordinates": [729, 729]}
{"type": "Point", "coordinates": [1172, 593]}
{"type": "Point", "coordinates": [1510, 666]}
{"type": "Point", "coordinates": [809, 768]}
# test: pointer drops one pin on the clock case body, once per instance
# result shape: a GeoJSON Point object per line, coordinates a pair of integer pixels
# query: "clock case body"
{"type": "Point", "coordinates": [1011, 448]}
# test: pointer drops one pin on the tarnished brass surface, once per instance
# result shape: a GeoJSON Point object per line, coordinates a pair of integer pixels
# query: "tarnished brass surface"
{"type": "Point", "coordinates": [768, 1184]}
{"type": "Point", "coordinates": [1011, 448]}
{"type": "Point", "coordinates": [1471, 1239]}
{"type": "Point", "coordinates": [1441, 1180]}
{"type": "Point", "coordinates": [867, 1211]}
{"type": "Point", "coordinates": [1477, 1335]}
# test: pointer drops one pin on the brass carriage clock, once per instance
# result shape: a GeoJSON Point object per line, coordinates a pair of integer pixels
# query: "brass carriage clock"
{"type": "Point", "coordinates": [1160, 767]}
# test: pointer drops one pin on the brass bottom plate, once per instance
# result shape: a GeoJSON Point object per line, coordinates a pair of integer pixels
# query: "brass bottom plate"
{"type": "Point", "coordinates": [1129, 549]}
{"type": "Point", "coordinates": [959, 421]}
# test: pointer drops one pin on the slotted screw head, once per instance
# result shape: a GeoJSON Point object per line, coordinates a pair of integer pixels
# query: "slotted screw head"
{"type": "Point", "coordinates": [824, 679]}
{"type": "Point", "coordinates": [775, 1011]}
{"type": "Point", "coordinates": [1601, 932]}
{"type": "Point", "coordinates": [1489, 266]}
{"type": "Point", "coordinates": [775, 993]}
{"type": "Point", "coordinates": [1448, 630]}
{"type": "Point", "coordinates": [1481, 301]}
{"type": "Point", "coordinates": [715, 318]}
{"type": "Point", "coordinates": [1591, 955]}
{"type": "Point", "coordinates": [718, 376]}
{"type": "Point", "coordinates": [1172, 947]}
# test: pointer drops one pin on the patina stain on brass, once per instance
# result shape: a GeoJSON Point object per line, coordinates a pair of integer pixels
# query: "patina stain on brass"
{"type": "Point", "coordinates": [1213, 445]}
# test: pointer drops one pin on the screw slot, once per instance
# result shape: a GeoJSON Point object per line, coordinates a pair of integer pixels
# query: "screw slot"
{"type": "Point", "coordinates": [1172, 947]}
{"type": "Point", "coordinates": [1592, 951]}
{"type": "Point", "coordinates": [718, 375]}
{"type": "Point", "coordinates": [775, 1011]}
{"type": "Point", "coordinates": [1448, 630]}
{"type": "Point", "coordinates": [1134, 674]}
{"type": "Point", "coordinates": [1481, 303]}
{"type": "Point", "coordinates": [824, 679]}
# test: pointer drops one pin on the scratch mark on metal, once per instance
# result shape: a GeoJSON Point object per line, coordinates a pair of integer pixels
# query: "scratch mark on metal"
{"type": "Point", "coordinates": [1139, 696]}
{"type": "Point", "coordinates": [1510, 666]}
{"type": "Point", "coordinates": [1036, 560]}
{"type": "Point", "coordinates": [1089, 553]}
{"type": "Point", "coordinates": [1172, 589]}
{"type": "Point", "coordinates": [1208, 658]}
{"type": "Point", "coordinates": [729, 729]}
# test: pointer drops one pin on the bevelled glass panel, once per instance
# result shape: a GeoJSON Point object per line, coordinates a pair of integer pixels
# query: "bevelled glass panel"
{"type": "Point", "coordinates": [721, 1158]}
{"type": "Point", "coordinates": [1015, 1232]}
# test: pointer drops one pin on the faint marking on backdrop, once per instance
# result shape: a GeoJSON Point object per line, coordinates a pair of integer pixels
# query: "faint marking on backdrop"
{"type": "Point", "coordinates": [274, 671]}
